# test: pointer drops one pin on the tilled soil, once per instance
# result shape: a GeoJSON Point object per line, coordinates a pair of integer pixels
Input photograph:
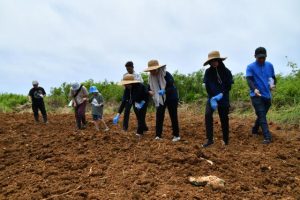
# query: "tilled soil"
{"type": "Point", "coordinates": [54, 162]}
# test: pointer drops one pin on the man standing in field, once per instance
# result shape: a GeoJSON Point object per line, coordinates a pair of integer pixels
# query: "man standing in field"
{"type": "Point", "coordinates": [261, 80]}
{"type": "Point", "coordinates": [36, 97]}
{"type": "Point", "coordinates": [127, 104]}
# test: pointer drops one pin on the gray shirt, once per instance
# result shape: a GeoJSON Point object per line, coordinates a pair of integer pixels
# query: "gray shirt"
{"type": "Point", "coordinates": [97, 104]}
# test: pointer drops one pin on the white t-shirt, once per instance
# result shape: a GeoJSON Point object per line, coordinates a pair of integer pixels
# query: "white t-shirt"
{"type": "Point", "coordinates": [137, 76]}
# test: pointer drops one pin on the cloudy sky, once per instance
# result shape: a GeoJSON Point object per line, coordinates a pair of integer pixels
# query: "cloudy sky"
{"type": "Point", "coordinates": [56, 41]}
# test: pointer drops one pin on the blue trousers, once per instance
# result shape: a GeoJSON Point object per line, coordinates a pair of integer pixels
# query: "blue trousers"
{"type": "Point", "coordinates": [261, 106]}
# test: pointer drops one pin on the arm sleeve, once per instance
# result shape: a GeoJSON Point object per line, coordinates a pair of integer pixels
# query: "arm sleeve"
{"type": "Point", "coordinates": [122, 106]}
{"type": "Point", "coordinates": [273, 76]}
{"type": "Point", "coordinates": [275, 80]}
{"type": "Point", "coordinates": [123, 103]}
{"type": "Point", "coordinates": [208, 89]}
{"type": "Point", "coordinates": [169, 82]}
{"type": "Point", "coordinates": [30, 93]}
{"type": "Point", "coordinates": [205, 81]}
{"type": "Point", "coordinates": [250, 81]}
{"type": "Point", "coordinates": [44, 92]}
{"type": "Point", "coordinates": [249, 71]}
{"type": "Point", "coordinates": [84, 91]}
{"type": "Point", "coordinates": [101, 100]}
{"type": "Point", "coordinates": [229, 82]}
{"type": "Point", "coordinates": [148, 88]}
{"type": "Point", "coordinates": [145, 93]}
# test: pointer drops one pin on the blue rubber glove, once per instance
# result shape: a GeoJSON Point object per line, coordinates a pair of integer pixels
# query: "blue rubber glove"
{"type": "Point", "coordinates": [213, 103]}
{"type": "Point", "coordinates": [218, 97]}
{"type": "Point", "coordinates": [140, 105]}
{"type": "Point", "coordinates": [116, 119]}
{"type": "Point", "coordinates": [161, 92]}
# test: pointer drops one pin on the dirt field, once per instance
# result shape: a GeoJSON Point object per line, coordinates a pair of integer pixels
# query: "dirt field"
{"type": "Point", "coordinates": [54, 162]}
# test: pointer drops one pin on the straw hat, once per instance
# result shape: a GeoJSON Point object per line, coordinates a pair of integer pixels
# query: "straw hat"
{"type": "Point", "coordinates": [128, 79]}
{"type": "Point", "coordinates": [214, 55]}
{"type": "Point", "coordinates": [153, 65]}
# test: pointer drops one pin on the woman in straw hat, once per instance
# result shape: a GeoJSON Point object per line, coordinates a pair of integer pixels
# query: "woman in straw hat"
{"type": "Point", "coordinates": [136, 93]}
{"type": "Point", "coordinates": [218, 81]}
{"type": "Point", "coordinates": [164, 94]}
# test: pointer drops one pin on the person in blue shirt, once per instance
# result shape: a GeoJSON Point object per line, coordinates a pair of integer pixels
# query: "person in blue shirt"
{"type": "Point", "coordinates": [218, 80]}
{"type": "Point", "coordinates": [261, 80]}
{"type": "Point", "coordinates": [165, 95]}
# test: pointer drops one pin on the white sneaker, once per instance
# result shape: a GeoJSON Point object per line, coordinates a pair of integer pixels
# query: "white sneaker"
{"type": "Point", "coordinates": [139, 135]}
{"type": "Point", "coordinates": [107, 129]}
{"type": "Point", "coordinates": [175, 139]}
{"type": "Point", "coordinates": [158, 138]}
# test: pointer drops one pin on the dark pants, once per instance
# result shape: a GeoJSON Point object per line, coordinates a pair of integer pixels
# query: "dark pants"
{"type": "Point", "coordinates": [80, 115]}
{"type": "Point", "coordinates": [261, 106]}
{"type": "Point", "coordinates": [128, 106]}
{"type": "Point", "coordinates": [223, 114]}
{"type": "Point", "coordinates": [160, 115]}
{"type": "Point", "coordinates": [141, 118]}
{"type": "Point", "coordinates": [39, 106]}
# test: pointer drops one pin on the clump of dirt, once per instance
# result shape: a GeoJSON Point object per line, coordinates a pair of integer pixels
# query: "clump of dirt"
{"type": "Point", "coordinates": [54, 162]}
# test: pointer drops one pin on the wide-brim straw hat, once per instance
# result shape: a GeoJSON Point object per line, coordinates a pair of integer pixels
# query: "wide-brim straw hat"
{"type": "Point", "coordinates": [129, 79]}
{"type": "Point", "coordinates": [153, 65]}
{"type": "Point", "coordinates": [212, 56]}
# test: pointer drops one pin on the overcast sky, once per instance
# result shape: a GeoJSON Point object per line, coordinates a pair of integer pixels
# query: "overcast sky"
{"type": "Point", "coordinates": [56, 41]}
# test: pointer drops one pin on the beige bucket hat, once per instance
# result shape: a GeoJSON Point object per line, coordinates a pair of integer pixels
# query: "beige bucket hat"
{"type": "Point", "coordinates": [213, 55]}
{"type": "Point", "coordinates": [128, 79]}
{"type": "Point", "coordinates": [153, 65]}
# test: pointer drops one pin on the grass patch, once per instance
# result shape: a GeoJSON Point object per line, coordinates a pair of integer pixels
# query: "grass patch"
{"type": "Point", "coordinates": [10, 101]}
{"type": "Point", "coordinates": [286, 115]}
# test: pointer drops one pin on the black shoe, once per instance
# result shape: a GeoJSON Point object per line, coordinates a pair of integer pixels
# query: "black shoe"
{"type": "Point", "coordinates": [208, 144]}
{"type": "Point", "coordinates": [146, 129]}
{"type": "Point", "coordinates": [226, 143]}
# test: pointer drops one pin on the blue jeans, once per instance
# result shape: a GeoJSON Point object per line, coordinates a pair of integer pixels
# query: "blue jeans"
{"type": "Point", "coordinates": [261, 106]}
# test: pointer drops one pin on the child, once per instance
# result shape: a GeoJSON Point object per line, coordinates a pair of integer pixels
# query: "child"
{"type": "Point", "coordinates": [97, 107]}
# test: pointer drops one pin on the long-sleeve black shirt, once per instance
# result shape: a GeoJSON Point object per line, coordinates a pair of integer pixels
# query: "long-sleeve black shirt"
{"type": "Point", "coordinates": [138, 92]}
{"type": "Point", "coordinates": [215, 84]}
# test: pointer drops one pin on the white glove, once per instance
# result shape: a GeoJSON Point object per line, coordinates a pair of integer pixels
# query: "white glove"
{"type": "Point", "coordinates": [271, 83]}
{"type": "Point", "coordinates": [95, 103]}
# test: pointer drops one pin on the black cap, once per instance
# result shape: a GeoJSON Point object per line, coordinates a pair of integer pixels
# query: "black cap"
{"type": "Point", "coordinates": [129, 64]}
{"type": "Point", "coordinates": [260, 52]}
